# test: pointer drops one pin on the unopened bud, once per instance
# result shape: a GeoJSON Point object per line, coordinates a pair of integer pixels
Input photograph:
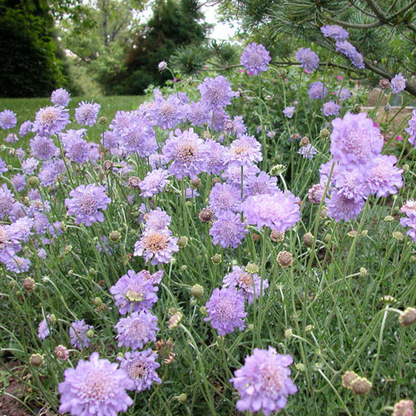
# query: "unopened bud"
{"type": "Point", "coordinates": [277, 237]}
{"type": "Point", "coordinates": [33, 181]}
{"type": "Point", "coordinates": [115, 236]}
{"type": "Point", "coordinates": [196, 183]}
{"type": "Point", "coordinates": [408, 317]}
{"type": "Point", "coordinates": [36, 360]}
{"type": "Point", "coordinates": [397, 235]}
{"type": "Point", "coordinates": [324, 133]}
{"type": "Point", "coordinates": [252, 268]}
{"type": "Point", "coordinates": [102, 120]}
{"type": "Point", "coordinates": [288, 334]}
{"type": "Point", "coordinates": [197, 291]}
{"type": "Point", "coordinates": [361, 386]}
{"type": "Point", "coordinates": [308, 239]}
{"type": "Point", "coordinates": [61, 353]}
{"type": "Point", "coordinates": [90, 333]}
{"type": "Point", "coordinates": [284, 259]}
{"type": "Point", "coordinates": [216, 259]}
{"type": "Point", "coordinates": [29, 284]}
{"type": "Point", "coordinates": [277, 170]}
{"type": "Point", "coordinates": [182, 242]}
{"type": "Point", "coordinates": [363, 272]}
{"type": "Point", "coordinates": [182, 398]}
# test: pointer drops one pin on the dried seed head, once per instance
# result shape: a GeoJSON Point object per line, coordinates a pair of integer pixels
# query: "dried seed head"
{"type": "Point", "coordinates": [348, 378]}
{"type": "Point", "coordinates": [324, 133]}
{"type": "Point", "coordinates": [29, 284]}
{"type": "Point", "coordinates": [215, 181]}
{"type": "Point", "coordinates": [175, 320]}
{"type": "Point", "coordinates": [134, 182]}
{"type": "Point", "coordinates": [61, 353]}
{"type": "Point", "coordinates": [277, 170]}
{"type": "Point", "coordinates": [361, 386]}
{"type": "Point", "coordinates": [404, 408]}
{"type": "Point", "coordinates": [308, 239]}
{"type": "Point", "coordinates": [277, 237]}
{"type": "Point", "coordinates": [115, 236]}
{"type": "Point", "coordinates": [197, 291]}
{"type": "Point", "coordinates": [216, 259]}
{"type": "Point", "coordinates": [206, 215]}
{"type": "Point", "coordinates": [108, 165]}
{"type": "Point", "coordinates": [196, 183]}
{"type": "Point", "coordinates": [33, 181]}
{"type": "Point", "coordinates": [304, 141]}
{"type": "Point", "coordinates": [384, 83]}
{"type": "Point", "coordinates": [36, 360]}
{"type": "Point", "coordinates": [165, 351]}
{"type": "Point", "coordinates": [102, 120]}
{"type": "Point", "coordinates": [408, 317]}
{"type": "Point", "coordinates": [284, 259]}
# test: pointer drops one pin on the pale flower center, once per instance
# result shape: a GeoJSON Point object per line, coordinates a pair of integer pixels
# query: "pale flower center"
{"type": "Point", "coordinates": [156, 242]}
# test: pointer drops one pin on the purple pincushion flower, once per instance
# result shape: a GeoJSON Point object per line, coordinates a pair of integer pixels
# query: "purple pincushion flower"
{"type": "Point", "coordinates": [43, 147]}
{"type": "Point", "coordinates": [385, 179]}
{"type": "Point", "coordinates": [264, 382]}
{"type": "Point", "coordinates": [10, 239]}
{"type": "Point", "coordinates": [344, 94]}
{"type": "Point", "coordinates": [232, 173]}
{"type": "Point", "coordinates": [216, 93]}
{"type": "Point", "coordinates": [44, 329]}
{"type": "Point", "coordinates": [86, 113]}
{"type": "Point", "coordinates": [215, 161]}
{"type": "Point", "coordinates": [317, 91]}
{"type": "Point", "coordinates": [398, 83]}
{"type": "Point", "coordinates": [6, 201]}
{"type": "Point", "coordinates": [255, 58]}
{"type": "Point", "coordinates": [19, 182]}
{"type": "Point", "coordinates": [29, 166]}
{"type": "Point", "coordinates": [331, 108]}
{"type": "Point", "coordinates": [3, 166]}
{"type": "Point", "coordinates": [76, 148]}
{"type": "Point", "coordinates": [188, 154]}
{"type": "Point", "coordinates": [244, 151]}
{"type": "Point", "coordinates": [334, 32]}
{"type": "Point", "coordinates": [11, 138]}
{"type": "Point", "coordinates": [154, 182]}
{"type": "Point", "coordinates": [137, 330]}
{"type": "Point", "coordinates": [50, 120]}
{"type": "Point", "coordinates": [168, 113]}
{"type": "Point", "coordinates": [134, 292]}
{"type": "Point", "coordinates": [61, 97]}
{"type": "Point", "coordinates": [278, 211]}
{"type": "Point", "coordinates": [250, 284]}
{"type": "Point", "coordinates": [308, 59]}
{"type": "Point", "coordinates": [50, 171]}
{"type": "Point", "coordinates": [18, 265]}
{"type": "Point", "coordinates": [289, 111]}
{"type": "Point", "coordinates": [224, 197]}
{"type": "Point", "coordinates": [86, 202]}
{"type": "Point", "coordinates": [355, 140]}
{"type": "Point", "coordinates": [95, 388]}
{"type": "Point", "coordinates": [7, 119]}
{"type": "Point", "coordinates": [25, 128]}
{"type": "Point", "coordinates": [260, 184]}
{"type": "Point", "coordinates": [351, 53]}
{"type": "Point", "coordinates": [198, 114]}
{"type": "Point", "coordinates": [343, 208]}
{"type": "Point", "coordinates": [141, 368]}
{"type": "Point", "coordinates": [411, 129]}
{"type": "Point", "coordinates": [157, 246]}
{"type": "Point", "coordinates": [78, 334]}
{"type": "Point", "coordinates": [308, 151]}
{"type": "Point", "coordinates": [157, 220]}
{"type": "Point", "coordinates": [226, 310]}
{"type": "Point", "coordinates": [228, 230]}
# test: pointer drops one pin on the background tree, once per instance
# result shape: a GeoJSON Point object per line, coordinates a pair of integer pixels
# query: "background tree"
{"type": "Point", "coordinates": [31, 63]}
{"type": "Point", "coordinates": [173, 24]}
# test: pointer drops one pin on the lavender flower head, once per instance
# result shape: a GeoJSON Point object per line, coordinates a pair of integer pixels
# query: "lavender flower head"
{"type": "Point", "coordinates": [157, 220]}
{"type": "Point", "coordinates": [250, 284]}
{"type": "Point", "coordinates": [344, 94]}
{"type": "Point", "coordinates": [244, 151]}
{"type": "Point", "coordinates": [355, 140]}
{"type": "Point", "coordinates": [351, 53]}
{"type": "Point", "coordinates": [316, 193]}
{"type": "Point", "coordinates": [188, 153]}
{"type": "Point", "coordinates": [7, 119]}
{"type": "Point", "coordinates": [95, 388]}
{"type": "Point", "coordinates": [6, 201]}
{"type": "Point", "coordinates": [226, 310]}
{"type": "Point", "coordinates": [3, 166]}
{"type": "Point", "coordinates": [43, 147]}
{"type": "Point", "coordinates": [228, 230]}
{"type": "Point", "coordinates": [334, 32]}
{"type": "Point", "coordinates": [342, 208]}
{"type": "Point", "coordinates": [157, 246]}
{"type": "Point", "coordinates": [86, 113]}
{"type": "Point", "coordinates": [317, 91]}
{"type": "Point", "coordinates": [308, 59]}
{"type": "Point", "coordinates": [134, 292]}
{"type": "Point", "coordinates": [50, 120]}
{"type": "Point", "coordinates": [264, 382]}
{"type": "Point", "coordinates": [308, 151]}
{"type": "Point", "coordinates": [162, 65]}
{"type": "Point", "coordinates": [86, 202]}
{"type": "Point", "coordinates": [19, 182]}
{"type": "Point", "coordinates": [409, 208]}
{"type": "Point", "coordinates": [385, 178]}
{"type": "Point", "coordinates": [215, 161]}
{"type": "Point", "coordinates": [331, 108]}
{"type": "Point", "coordinates": [198, 114]}
{"type": "Point", "coordinates": [25, 128]}
{"type": "Point", "coordinates": [76, 148]}
{"type": "Point", "coordinates": [78, 334]}
{"type": "Point", "coordinates": [11, 138]}
{"type": "Point", "coordinates": [18, 265]}
{"type": "Point", "coordinates": [411, 129]}
{"type": "Point", "coordinates": [29, 166]}
{"type": "Point", "coordinates": [224, 197]}
{"type": "Point", "coordinates": [141, 368]}
{"type": "Point", "coordinates": [261, 184]}
{"type": "Point", "coordinates": [61, 97]}
{"type": "Point", "coordinates": [288, 112]}
{"type": "Point", "coordinates": [43, 328]}
{"type": "Point", "coordinates": [168, 113]}
{"type": "Point", "coordinates": [398, 83]}
{"type": "Point", "coordinates": [154, 182]}
{"type": "Point", "coordinates": [216, 93]}
{"type": "Point", "coordinates": [137, 330]}
{"type": "Point", "coordinates": [10, 239]}
{"type": "Point", "coordinates": [255, 58]}
{"type": "Point", "coordinates": [278, 211]}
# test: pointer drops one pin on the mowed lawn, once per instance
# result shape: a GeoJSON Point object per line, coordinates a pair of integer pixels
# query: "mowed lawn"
{"type": "Point", "coordinates": [26, 108]}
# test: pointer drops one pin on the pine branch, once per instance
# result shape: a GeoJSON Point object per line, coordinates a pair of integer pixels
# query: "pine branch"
{"type": "Point", "coordinates": [355, 25]}
{"type": "Point", "coordinates": [403, 10]}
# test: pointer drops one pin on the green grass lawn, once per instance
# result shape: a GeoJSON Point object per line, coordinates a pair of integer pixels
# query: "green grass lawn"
{"type": "Point", "coordinates": [26, 108]}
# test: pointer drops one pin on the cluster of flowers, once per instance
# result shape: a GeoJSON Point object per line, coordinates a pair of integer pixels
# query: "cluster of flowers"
{"type": "Point", "coordinates": [98, 386]}
{"type": "Point", "coordinates": [357, 168]}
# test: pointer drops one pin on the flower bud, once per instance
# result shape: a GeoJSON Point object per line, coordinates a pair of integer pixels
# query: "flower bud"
{"type": "Point", "coordinates": [363, 272]}
{"type": "Point", "coordinates": [397, 235]}
{"type": "Point", "coordinates": [61, 353]}
{"type": "Point", "coordinates": [388, 218]}
{"type": "Point", "coordinates": [288, 334]}
{"type": "Point", "coordinates": [36, 360]}
{"type": "Point", "coordinates": [308, 239]}
{"type": "Point", "coordinates": [361, 386]}
{"type": "Point", "coordinates": [216, 259]}
{"type": "Point", "coordinates": [277, 237]}
{"type": "Point", "coordinates": [300, 367]}
{"type": "Point", "coordinates": [252, 268]}
{"type": "Point", "coordinates": [175, 320]}
{"type": "Point", "coordinates": [196, 183]}
{"type": "Point", "coordinates": [29, 284]}
{"type": "Point", "coordinates": [90, 333]}
{"type": "Point", "coordinates": [182, 398]}
{"type": "Point", "coordinates": [304, 141]}
{"type": "Point", "coordinates": [384, 83]}
{"type": "Point", "coordinates": [404, 408]}
{"type": "Point", "coordinates": [408, 317]}
{"type": "Point", "coordinates": [348, 378]}
{"type": "Point", "coordinates": [206, 215]}
{"type": "Point", "coordinates": [324, 133]}
{"type": "Point", "coordinates": [97, 301]}
{"type": "Point", "coordinates": [327, 238]}
{"type": "Point", "coordinates": [182, 242]}
{"type": "Point", "coordinates": [115, 236]}
{"type": "Point", "coordinates": [324, 213]}
{"type": "Point", "coordinates": [277, 170]}
{"type": "Point", "coordinates": [102, 120]}
{"type": "Point", "coordinates": [33, 181]}
{"type": "Point", "coordinates": [197, 291]}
